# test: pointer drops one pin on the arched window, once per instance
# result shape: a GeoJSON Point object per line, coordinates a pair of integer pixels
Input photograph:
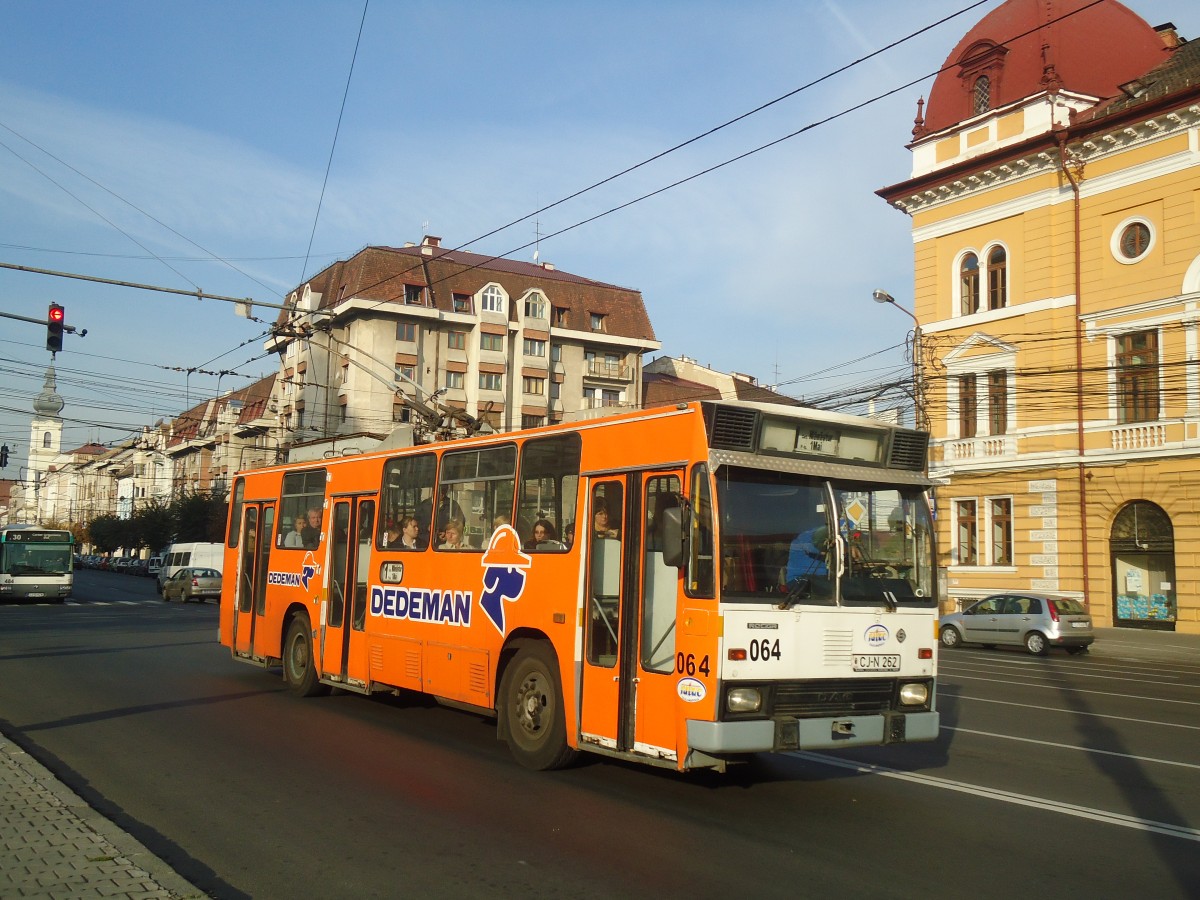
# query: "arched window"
{"type": "Point", "coordinates": [535, 306]}
{"type": "Point", "coordinates": [981, 95]}
{"type": "Point", "coordinates": [493, 299]}
{"type": "Point", "coordinates": [1142, 548]}
{"type": "Point", "coordinates": [968, 285]}
{"type": "Point", "coordinates": [997, 275]}
{"type": "Point", "coordinates": [46, 440]}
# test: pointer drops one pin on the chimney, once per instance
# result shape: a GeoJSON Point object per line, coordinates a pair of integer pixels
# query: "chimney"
{"type": "Point", "coordinates": [430, 241]}
{"type": "Point", "coordinates": [549, 267]}
{"type": "Point", "coordinates": [1170, 37]}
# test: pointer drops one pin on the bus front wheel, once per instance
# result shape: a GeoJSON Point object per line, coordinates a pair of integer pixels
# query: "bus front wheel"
{"type": "Point", "coordinates": [534, 720]}
{"type": "Point", "coordinates": [299, 668]}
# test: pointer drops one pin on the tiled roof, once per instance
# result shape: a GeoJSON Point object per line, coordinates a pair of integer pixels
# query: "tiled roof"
{"type": "Point", "coordinates": [1178, 74]}
{"type": "Point", "coordinates": [380, 273]}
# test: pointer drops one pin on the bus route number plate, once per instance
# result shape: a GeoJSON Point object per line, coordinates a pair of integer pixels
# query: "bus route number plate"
{"type": "Point", "coordinates": [876, 662]}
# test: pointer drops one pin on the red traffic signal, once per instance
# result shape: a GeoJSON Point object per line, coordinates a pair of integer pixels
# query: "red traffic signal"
{"type": "Point", "coordinates": [55, 320]}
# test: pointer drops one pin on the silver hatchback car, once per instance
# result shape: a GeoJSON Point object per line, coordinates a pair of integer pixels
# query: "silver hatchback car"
{"type": "Point", "coordinates": [1036, 621]}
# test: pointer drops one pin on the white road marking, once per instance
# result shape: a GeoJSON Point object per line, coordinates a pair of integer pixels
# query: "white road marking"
{"type": "Point", "coordinates": [1076, 712]}
{"type": "Point", "coordinates": [1013, 737]}
{"type": "Point", "coordinates": [1075, 674]}
{"type": "Point", "coordinates": [1061, 689]}
{"type": "Point", "coordinates": [1069, 809]}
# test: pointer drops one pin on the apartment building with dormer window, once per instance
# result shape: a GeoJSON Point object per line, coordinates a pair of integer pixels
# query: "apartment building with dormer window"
{"type": "Point", "coordinates": [514, 344]}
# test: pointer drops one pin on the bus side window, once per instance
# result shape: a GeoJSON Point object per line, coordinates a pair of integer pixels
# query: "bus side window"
{"type": "Point", "coordinates": [407, 491]}
{"type": "Point", "coordinates": [474, 486]}
{"type": "Point", "coordinates": [699, 580]}
{"type": "Point", "coordinates": [661, 581]}
{"type": "Point", "coordinates": [302, 493]}
{"type": "Point", "coordinates": [549, 482]}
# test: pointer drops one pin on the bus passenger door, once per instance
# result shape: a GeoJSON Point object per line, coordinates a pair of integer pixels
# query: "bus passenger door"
{"type": "Point", "coordinates": [603, 643]}
{"type": "Point", "coordinates": [656, 698]}
{"type": "Point", "coordinates": [254, 560]}
{"type": "Point", "coordinates": [343, 638]}
{"type": "Point", "coordinates": [629, 635]}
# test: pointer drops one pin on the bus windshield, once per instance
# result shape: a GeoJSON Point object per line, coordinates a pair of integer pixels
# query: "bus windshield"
{"type": "Point", "coordinates": [35, 559]}
{"type": "Point", "coordinates": [797, 539]}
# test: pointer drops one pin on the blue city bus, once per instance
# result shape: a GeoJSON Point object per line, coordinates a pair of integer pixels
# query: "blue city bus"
{"type": "Point", "coordinates": [36, 563]}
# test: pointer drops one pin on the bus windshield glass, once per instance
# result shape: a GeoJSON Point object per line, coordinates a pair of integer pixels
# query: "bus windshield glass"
{"type": "Point", "coordinates": [785, 537]}
{"type": "Point", "coordinates": [35, 559]}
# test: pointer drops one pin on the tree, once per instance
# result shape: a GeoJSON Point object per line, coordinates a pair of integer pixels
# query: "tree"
{"type": "Point", "coordinates": [200, 516]}
{"type": "Point", "coordinates": [104, 533]}
{"type": "Point", "coordinates": [155, 523]}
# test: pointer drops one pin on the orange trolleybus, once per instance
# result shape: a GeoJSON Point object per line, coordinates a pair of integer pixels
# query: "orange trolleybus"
{"type": "Point", "coordinates": [682, 585]}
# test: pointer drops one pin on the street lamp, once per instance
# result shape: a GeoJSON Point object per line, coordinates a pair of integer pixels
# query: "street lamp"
{"type": "Point", "coordinates": [881, 296]}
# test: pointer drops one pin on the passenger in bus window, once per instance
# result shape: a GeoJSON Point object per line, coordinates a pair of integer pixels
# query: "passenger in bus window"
{"type": "Point", "coordinates": [544, 536]}
{"type": "Point", "coordinates": [600, 525]}
{"type": "Point", "coordinates": [569, 535]}
{"type": "Point", "coordinates": [312, 529]}
{"type": "Point", "coordinates": [295, 537]}
{"type": "Point", "coordinates": [452, 534]}
{"type": "Point", "coordinates": [410, 529]}
{"type": "Point", "coordinates": [447, 509]}
{"type": "Point", "coordinates": [391, 534]}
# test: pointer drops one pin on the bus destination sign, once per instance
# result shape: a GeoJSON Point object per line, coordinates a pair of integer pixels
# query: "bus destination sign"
{"type": "Point", "coordinates": [32, 536]}
{"type": "Point", "coordinates": [821, 439]}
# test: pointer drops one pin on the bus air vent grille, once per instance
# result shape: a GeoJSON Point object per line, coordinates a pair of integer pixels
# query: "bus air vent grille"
{"type": "Point", "coordinates": [833, 697]}
{"type": "Point", "coordinates": [908, 450]}
{"type": "Point", "coordinates": [734, 428]}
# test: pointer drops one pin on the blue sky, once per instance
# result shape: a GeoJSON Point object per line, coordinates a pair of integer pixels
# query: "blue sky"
{"type": "Point", "coordinates": [139, 140]}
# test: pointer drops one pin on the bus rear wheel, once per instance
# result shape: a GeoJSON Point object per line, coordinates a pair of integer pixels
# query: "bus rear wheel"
{"type": "Point", "coordinates": [299, 668]}
{"type": "Point", "coordinates": [534, 719]}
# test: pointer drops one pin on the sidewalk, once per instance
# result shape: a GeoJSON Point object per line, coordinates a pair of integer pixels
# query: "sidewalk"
{"type": "Point", "coordinates": [52, 844]}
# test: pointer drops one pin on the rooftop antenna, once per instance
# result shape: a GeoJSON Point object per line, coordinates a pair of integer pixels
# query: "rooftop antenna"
{"type": "Point", "coordinates": [537, 239]}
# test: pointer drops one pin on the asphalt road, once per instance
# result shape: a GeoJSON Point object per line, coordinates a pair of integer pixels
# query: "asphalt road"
{"type": "Point", "coordinates": [1064, 776]}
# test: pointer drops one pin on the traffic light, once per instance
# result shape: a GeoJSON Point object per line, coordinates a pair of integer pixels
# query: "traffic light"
{"type": "Point", "coordinates": [3, 456]}
{"type": "Point", "coordinates": [55, 320]}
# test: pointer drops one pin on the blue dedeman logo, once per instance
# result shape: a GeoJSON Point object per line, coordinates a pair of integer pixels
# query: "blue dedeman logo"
{"type": "Point", "coordinates": [308, 571]}
{"type": "Point", "coordinates": [421, 605]}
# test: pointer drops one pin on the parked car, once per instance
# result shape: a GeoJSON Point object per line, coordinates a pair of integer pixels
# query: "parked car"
{"type": "Point", "coordinates": [153, 566]}
{"type": "Point", "coordinates": [193, 584]}
{"type": "Point", "coordinates": [136, 567]}
{"type": "Point", "coordinates": [1035, 621]}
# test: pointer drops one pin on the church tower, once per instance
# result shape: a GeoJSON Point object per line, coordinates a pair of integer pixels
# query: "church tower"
{"type": "Point", "coordinates": [45, 441]}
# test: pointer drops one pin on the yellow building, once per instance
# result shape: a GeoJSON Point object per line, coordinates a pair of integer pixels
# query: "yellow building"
{"type": "Point", "coordinates": [1055, 205]}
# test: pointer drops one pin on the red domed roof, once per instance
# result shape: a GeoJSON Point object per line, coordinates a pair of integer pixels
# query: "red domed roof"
{"type": "Point", "coordinates": [1092, 52]}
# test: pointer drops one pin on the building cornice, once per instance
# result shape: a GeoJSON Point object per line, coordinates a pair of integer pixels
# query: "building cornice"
{"type": "Point", "coordinates": [1087, 142]}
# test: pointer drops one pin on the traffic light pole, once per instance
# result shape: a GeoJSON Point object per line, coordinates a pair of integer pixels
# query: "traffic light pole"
{"type": "Point", "coordinates": [46, 322]}
{"type": "Point", "coordinates": [71, 329]}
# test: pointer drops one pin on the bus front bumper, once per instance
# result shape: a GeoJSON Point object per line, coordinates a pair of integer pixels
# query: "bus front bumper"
{"type": "Point", "coordinates": [788, 733]}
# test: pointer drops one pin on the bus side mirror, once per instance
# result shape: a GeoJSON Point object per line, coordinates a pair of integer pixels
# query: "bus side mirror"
{"type": "Point", "coordinates": [672, 536]}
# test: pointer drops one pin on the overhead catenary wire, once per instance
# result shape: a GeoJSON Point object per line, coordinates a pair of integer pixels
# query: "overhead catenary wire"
{"type": "Point", "coordinates": [733, 159]}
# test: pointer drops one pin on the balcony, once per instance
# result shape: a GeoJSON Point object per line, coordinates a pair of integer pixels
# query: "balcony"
{"type": "Point", "coordinates": [980, 448]}
{"type": "Point", "coordinates": [1142, 436]}
{"type": "Point", "coordinates": [606, 368]}
{"type": "Point", "coordinates": [603, 403]}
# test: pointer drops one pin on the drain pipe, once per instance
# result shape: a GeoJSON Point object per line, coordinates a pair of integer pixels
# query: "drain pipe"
{"type": "Point", "coordinates": [1073, 168]}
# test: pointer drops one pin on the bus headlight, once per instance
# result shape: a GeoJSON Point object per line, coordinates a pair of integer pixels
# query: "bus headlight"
{"type": "Point", "coordinates": [744, 700]}
{"type": "Point", "coordinates": [914, 694]}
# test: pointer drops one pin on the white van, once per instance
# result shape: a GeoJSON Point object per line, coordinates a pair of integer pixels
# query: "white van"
{"type": "Point", "coordinates": [180, 556]}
